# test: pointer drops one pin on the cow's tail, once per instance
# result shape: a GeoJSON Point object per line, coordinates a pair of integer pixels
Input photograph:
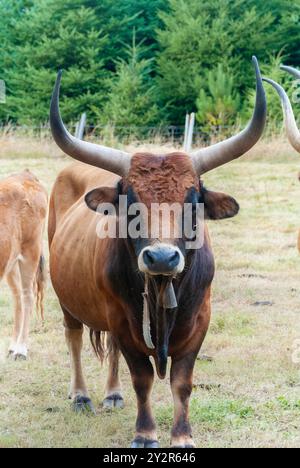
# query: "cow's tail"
{"type": "Point", "coordinates": [103, 344]}
{"type": "Point", "coordinates": [41, 279]}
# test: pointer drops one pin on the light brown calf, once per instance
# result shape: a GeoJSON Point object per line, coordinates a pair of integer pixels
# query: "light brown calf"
{"type": "Point", "coordinates": [23, 210]}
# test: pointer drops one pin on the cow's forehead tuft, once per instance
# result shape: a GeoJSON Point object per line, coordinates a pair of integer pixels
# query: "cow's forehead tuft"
{"type": "Point", "coordinates": [162, 178]}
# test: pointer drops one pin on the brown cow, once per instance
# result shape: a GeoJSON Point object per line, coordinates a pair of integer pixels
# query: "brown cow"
{"type": "Point", "coordinates": [101, 282]}
{"type": "Point", "coordinates": [292, 130]}
{"type": "Point", "coordinates": [23, 210]}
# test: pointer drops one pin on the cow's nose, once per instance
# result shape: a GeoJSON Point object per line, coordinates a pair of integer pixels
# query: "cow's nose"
{"type": "Point", "coordinates": [163, 260]}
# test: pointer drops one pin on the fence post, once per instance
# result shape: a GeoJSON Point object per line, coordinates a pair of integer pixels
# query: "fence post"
{"type": "Point", "coordinates": [190, 133]}
{"type": "Point", "coordinates": [2, 92]}
{"type": "Point", "coordinates": [186, 131]}
{"type": "Point", "coordinates": [80, 126]}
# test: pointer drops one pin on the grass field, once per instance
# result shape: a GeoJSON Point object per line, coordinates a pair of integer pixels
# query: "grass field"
{"type": "Point", "coordinates": [248, 393]}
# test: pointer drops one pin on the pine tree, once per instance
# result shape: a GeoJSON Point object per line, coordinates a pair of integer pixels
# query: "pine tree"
{"type": "Point", "coordinates": [41, 46]}
{"type": "Point", "coordinates": [197, 36]}
{"type": "Point", "coordinates": [84, 37]}
{"type": "Point", "coordinates": [221, 104]}
{"type": "Point", "coordinates": [131, 99]}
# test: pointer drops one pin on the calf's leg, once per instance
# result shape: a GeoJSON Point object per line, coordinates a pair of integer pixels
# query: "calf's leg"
{"type": "Point", "coordinates": [28, 268]}
{"type": "Point", "coordinates": [78, 390]}
{"type": "Point", "coordinates": [15, 284]}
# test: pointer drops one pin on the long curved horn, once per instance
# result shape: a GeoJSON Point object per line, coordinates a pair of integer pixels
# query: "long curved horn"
{"type": "Point", "coordinates": [291, 70]}
{"type": "Point", "coordinates": [221, 153]}
{"type": "Point", "coordinates": [109, 159]}
{"type": "Point", "coordinates": [292, 131]}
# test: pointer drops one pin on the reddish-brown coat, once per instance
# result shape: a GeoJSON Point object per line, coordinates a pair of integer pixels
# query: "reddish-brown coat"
{"type": "Point", "coordinates": [79, 260]}
{"type": "Point", "coordinates": [81, 266]}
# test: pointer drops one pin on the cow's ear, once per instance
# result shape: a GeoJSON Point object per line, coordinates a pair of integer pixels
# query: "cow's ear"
{"type": "Point", "coordinates": [101, 195]}
{"type": "Point", "coordinates": [218, 205]}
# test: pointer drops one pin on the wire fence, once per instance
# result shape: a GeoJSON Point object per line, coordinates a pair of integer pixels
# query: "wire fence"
{"type": "Point", "coordinates": [166, 133]}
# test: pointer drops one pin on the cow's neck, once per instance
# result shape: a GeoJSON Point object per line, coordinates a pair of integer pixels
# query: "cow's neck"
{"type": "Point", "coordinates": [190, 288]}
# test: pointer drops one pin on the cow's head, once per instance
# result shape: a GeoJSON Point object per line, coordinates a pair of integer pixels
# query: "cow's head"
{"type": "Point", "coordinates": [171, 183]}
{"type": "Point", "coordinates": [168, 179]}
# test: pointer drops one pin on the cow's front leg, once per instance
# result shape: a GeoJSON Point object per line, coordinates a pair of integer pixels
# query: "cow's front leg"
{"type": "Point", "coordinates": [142, 376]}
{"type": "Point", "coordinates": [182, 384]}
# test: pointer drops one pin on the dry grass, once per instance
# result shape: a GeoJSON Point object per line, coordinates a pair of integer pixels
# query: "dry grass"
{"type": "Point", "coordinates": [36, 144]}
{"type": "Point", "coordinates": [249, 394]}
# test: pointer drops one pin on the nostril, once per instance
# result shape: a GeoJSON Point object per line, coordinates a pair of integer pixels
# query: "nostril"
{"type": "Point", "coordinates": [175, 257]}
{"type": "Point", "coordinates": [148, 257]}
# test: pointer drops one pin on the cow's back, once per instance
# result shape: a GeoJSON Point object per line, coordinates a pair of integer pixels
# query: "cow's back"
{"type": "Point", "coordinates": [70, 186]}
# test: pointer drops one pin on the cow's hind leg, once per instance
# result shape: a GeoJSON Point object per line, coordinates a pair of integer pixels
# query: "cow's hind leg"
{"type": "Point", "coordinates": [28, 268]}
{"type": "Point", "coordinates": [114, 398]}
{"type": "Point", "coordinates": [78, 390]}
{"type": "Point", "coordinates": [142, 376]}
{"type": "Point", "coordinates": [15, 284]}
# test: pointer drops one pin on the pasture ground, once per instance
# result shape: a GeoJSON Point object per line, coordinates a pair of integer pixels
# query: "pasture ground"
{"type": "Point", "coordinates": [248, 393]}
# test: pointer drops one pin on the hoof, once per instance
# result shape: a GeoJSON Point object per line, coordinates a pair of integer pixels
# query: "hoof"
{"type": "Point", "coordinates": [183, 446]}
{"type": "Point", "coordinates": [113, 401]}
{"type": "Point", "coordinates": [83, 404]}
{"type": "Point", "coordinates": [18, 352]}
{"type": "Point", "coordinates": [142, 442]}
{"type": "Point", "coordinates": [16, 356]}
{"type": "Point", "coordinates": [183, 442]}
{"type": "Point", "coordinates": [19, 357]}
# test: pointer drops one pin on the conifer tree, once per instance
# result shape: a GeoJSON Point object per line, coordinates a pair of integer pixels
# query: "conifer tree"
{"type": "Point", "coordinates": [131, 99]}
